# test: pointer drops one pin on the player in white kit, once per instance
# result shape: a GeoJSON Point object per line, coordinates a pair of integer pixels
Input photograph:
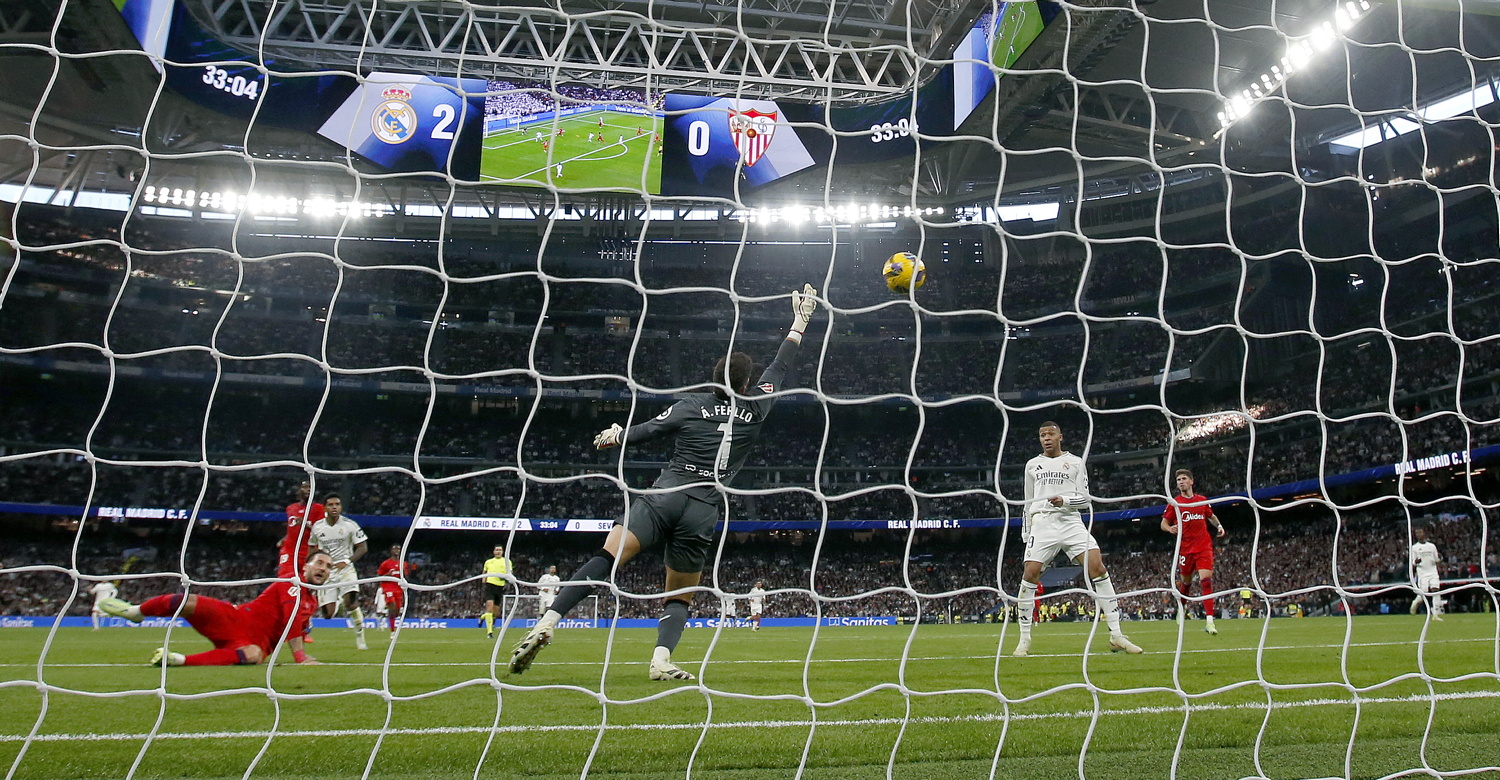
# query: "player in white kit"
{"type": "Point", "coordinates": [345, 542]}
{"type": "Point", "coordinates": [546, 590]}
{"type": "Point", "coordinates": [1057, 492]}
{"type": "Point", "coordinates": [102, 590]}
{"type": "Point", "coordinates": [1424, 561]}
{"type": "Point", "coordinates": [757, 603]}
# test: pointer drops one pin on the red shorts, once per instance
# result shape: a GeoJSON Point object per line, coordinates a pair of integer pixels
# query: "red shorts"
{"type": "Point", "coordinates": [1189, 562]}
{"type": "Point", "coordinates": [223, 624]}
{"type": "Point", "coordinates": [393, 600]}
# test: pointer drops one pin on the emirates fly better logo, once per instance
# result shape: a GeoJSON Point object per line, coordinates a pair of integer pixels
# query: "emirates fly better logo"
{"type": "Point", "coordinates": [752, 131]}
{"type": "Point", "coordinates": [394, 120]}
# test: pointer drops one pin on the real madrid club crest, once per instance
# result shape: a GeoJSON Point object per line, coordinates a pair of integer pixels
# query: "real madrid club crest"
{"type": "Point", "coordinates": [394, 120]}
{"type": "Point", "coordinates": [752, 131]}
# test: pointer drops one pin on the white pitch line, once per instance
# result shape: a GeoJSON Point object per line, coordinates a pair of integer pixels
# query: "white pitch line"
{"type": "Point", "coordinates": [757, 724]}
{"type": "Point", "coordinates": [501, 662]}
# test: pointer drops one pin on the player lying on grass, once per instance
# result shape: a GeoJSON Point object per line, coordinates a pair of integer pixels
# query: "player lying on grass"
{"type": "Point", "coordinates": [713, 435]}
{"type": "Point", "coordinates": [1057, 490]}
{"type": "Point", "coordinates": [246, 634]}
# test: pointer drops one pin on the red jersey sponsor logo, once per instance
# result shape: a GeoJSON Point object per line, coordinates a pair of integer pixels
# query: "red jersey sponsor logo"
{"type": "Point", "coordinates": [1190, 514]}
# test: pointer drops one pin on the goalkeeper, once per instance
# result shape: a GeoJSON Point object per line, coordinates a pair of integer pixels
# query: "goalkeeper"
{"type": "Point", "coordinates": [713, 436]}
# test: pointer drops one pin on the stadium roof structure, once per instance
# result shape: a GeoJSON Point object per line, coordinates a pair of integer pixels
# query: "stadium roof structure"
{"type": "Point", "coordinates": [1081, 114]}
{"type": "Point", "coordinates": [804, 49]}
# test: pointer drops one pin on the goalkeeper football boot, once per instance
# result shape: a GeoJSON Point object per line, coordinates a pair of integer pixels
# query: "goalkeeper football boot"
{"type": "Point", "coordinates": [1119, 643]}
{"type": "Point", "coordinates": [526, 650]}
{"type": "Point", "coordinates": [1023, 648]}
{"type": "Point", "coordinates": [163, 658]}
{"type": "Point", "coordinates": [666, 670]}
{"type": "Point", "coordinates": [121, 608]}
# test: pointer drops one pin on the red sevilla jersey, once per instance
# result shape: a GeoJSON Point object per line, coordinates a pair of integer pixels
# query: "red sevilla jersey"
{"type": "Point", "coordinates": [1190, 514]}
{"type": "Point", "coordinates": [280, 603]}
{"type": "Point", "coordinates": [299, 531]}
{"type": "Point", "coordinates": [391, 567]}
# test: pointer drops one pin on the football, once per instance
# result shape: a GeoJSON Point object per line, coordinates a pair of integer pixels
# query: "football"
{"type": "Point", "coordinates": [904, 272]}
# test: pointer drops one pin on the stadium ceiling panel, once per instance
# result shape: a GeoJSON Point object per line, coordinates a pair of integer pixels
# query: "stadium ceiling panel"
{"type": "Point", "coordinates": [809, 49]}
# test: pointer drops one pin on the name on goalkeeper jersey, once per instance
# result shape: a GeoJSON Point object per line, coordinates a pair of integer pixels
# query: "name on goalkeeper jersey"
{"type": "Point", "coordinates": [723, 410]}
{"type": "Point", "coordinates": [1434, 462]}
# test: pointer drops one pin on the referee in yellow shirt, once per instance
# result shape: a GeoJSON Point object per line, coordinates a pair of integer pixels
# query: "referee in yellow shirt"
{"type": "Point", "coordinates": [494, 589]}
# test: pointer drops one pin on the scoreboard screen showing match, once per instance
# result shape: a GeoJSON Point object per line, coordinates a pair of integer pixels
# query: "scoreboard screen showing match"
{"type": "Point", "coordinates": [571, 136]}
{"type": "Point", "coordinates": [574, 136]}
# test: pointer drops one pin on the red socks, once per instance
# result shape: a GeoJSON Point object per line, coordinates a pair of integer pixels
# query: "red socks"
{"type": "Point", "coordinates": [391, 621]}
{"type": "Point", "coordinates": [214, 658]}
{"type": "Point", "coordinates": [161, 606]}
{"type": "Point", "coordinates": [1207, 586]}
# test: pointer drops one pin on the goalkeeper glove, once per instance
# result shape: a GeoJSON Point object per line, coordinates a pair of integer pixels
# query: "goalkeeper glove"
{"type": "Point", "coordinates": [609, 437]}
{"type": "Point", "coordinates": [803, 306]}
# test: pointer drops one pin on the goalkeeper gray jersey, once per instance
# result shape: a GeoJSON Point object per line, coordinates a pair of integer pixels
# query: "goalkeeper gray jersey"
{"type": "Point", "coordinates": [714, 436]}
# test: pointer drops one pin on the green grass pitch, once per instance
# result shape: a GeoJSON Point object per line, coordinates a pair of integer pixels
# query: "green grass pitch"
{"type": "Point", "coordinates": [617, 163]}
{"type": "Point", "coordinates": [444, 696]}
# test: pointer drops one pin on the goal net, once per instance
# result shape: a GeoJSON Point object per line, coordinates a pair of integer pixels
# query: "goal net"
{"type": "Point", "coordinates": [523, 610]}
{"type": "Point", "coordinates": [1207, 286]}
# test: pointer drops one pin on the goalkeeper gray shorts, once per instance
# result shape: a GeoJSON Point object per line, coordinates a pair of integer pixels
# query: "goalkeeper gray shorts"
{"type": "Point", "coordinates": [683, 526]}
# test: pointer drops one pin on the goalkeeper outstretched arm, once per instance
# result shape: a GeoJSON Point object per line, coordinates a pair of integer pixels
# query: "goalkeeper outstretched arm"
{"type": "Point", "coordinates": [804, 303]}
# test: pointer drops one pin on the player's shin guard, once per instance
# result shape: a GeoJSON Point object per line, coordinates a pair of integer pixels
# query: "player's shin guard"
{"type": "Point", "coordinates": [1109, 606]}
{"type": "Point", "coordinates": [1206, 584]}
{"type": "Point", "coordinates": [1025, 606]}
{"type": "Point", "coordinates": [597, 568]}
{"type": "Point", "coordinates": [673, 620]}
{"type": "Point", "coordinates": [357, 621]}
{"type": "Point", "coordinates": [161, 606]}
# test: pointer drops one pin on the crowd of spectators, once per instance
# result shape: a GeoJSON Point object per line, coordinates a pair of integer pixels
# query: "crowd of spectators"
{"type": "Point", "coordinates": [1309, 555]}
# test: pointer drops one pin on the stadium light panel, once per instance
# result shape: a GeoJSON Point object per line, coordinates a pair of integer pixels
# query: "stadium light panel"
{"type": "Point", "coordinates": [1297, 57]}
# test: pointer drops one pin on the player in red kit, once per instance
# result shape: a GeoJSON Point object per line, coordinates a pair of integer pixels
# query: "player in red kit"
{"type": "Point", "coordinates": [394, 592]}
{"type": "Point", "coordinates": [300, 518]}
{"type": "Point", "coordinates": [246, 634]}
{"type": "Point", "coordinates": [1188, 516]}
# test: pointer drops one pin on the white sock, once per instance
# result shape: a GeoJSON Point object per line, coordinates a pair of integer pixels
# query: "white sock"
{"type": "Point", "coordinates": [94, 618]}
{"type": "Point", "coordinates": [357, 618]}
{"type": "Point", "coordinates": [661, 655]}
{"type": "Point", "coordinates": [549, 620]}
{"type": "Point", "coordinates": [1104, 596]}
{"type": "Point", "coordinates": [1025, 606]}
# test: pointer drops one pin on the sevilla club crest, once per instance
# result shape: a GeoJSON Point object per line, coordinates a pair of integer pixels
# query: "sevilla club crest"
{"type": "Point", "coordinates": [752, 131]}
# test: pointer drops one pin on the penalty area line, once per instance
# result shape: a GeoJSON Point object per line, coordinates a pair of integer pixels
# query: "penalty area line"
{"type": "Point", "coordinates": [757, 724]}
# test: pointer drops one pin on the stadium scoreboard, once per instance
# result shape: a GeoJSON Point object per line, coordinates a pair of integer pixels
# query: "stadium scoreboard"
{"type": "Point", "coordinates": [577, 136]}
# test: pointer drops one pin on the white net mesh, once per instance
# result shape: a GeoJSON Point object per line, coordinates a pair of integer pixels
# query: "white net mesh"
{"type": "Point", "coordinates": [419, 255]}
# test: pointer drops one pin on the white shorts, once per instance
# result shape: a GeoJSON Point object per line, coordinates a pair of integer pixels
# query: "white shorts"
{"type": "Point", "coordinates": [1428, 583]}
{"type": "Point", "coordinates": [755, 609]}
{"type": "Point", "coordinates": [544, 600]}
{"type": "Point", "coordinates": [1047, 540]}
{"type": "Point", "coordinates": [340, 581]}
